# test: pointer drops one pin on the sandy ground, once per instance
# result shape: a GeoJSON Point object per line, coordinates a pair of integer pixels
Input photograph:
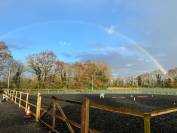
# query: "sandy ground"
{"type": "Point", "coordinates": [12, 120]}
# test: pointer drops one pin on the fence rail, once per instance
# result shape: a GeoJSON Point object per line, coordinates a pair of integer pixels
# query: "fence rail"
{"type": "Point", "coordinates": [22, 99]}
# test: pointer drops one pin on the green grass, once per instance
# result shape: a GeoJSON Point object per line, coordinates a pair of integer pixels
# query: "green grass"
{"type": "Point", "coordinates": [160, 91]}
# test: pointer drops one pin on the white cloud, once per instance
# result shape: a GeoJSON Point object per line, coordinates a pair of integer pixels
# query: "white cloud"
{"type": "Point", "coordinates": [129, 65]}
{"type": "Point", "coordinates": [124, 51]}
{"type": "Point", "coordinates": [64, 44]}
{"type": "Point", "coordinates": [110, 30]}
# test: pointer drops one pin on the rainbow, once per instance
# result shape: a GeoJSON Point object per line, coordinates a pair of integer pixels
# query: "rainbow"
{"type": "Point", "coordinates": [110, 31]}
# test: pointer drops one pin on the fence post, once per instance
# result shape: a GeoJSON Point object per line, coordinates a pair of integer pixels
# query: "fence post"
{"type": "Point", "coordinates": [38, 107]}
{"type": "Point", "coordinates": [85, 115]}
{"type": "Point", "coordinates": [15, 96]}
{"type": "Point", "coordinates": [20, 99]}
{"type": "Point", "coordinates": [27, 96]}
{"type": "Point", "coordinates": [6, 91]}
{"type": "Point", "coordinates": [10, 94]}
{"type": "Point", "coordinates": [147, 123]}
{"type": "Point", "coordinates": [54, 117]}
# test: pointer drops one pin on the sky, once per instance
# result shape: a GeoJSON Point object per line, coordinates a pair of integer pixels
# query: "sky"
{"type": "Point", "coordinates": [132, 37]}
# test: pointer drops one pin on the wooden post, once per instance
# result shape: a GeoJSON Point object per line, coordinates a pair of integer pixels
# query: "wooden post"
{"type": "Point", "coordinates": [85, 115]}
{"type": "Point", "coordinates": [19, 103]}
{"type": "Point", "coordinates": [38, 107]}
{"type": "Point", "coordinates": [15, 97]}
{"type": "Point", "coordinates": [54, 117]}
{"type": "Point", "coordinates": [27, 96]}
{"type": "Point", "coordinates": [147, 123]}
{"type": "Point", "coordinates": [6, 92]}
{"type": "Point", "coordinates": [10, 94]}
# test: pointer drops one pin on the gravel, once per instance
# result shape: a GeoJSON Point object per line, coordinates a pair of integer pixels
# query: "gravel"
{"type": "Point", "coordinates": [12, 120]}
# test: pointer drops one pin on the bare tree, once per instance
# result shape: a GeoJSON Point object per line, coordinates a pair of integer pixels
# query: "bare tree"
{"type": "Point", "coordinates": [42, 65]}
{"type": "Point", "coordinates": [18, 69]}
{"type": "Point", "coordinates": [159, 80]}
{"type": "Point", "coordinates": [78, 74]}
{"type": "Point", "coordinates": [5, 56]}
{"type": "Point", "coordinates": [61, 72]}
{"type": "Point", "coordinates": [5, 60]}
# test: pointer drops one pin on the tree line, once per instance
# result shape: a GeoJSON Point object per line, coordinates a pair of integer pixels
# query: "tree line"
{"type": "Point", "coordinates": [45, 70]}
{"type": "Point", "coordinates": [150, 80]}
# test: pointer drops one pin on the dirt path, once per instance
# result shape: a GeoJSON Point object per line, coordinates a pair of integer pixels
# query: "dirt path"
{"type": "Point", "coordinates": [12, 120]}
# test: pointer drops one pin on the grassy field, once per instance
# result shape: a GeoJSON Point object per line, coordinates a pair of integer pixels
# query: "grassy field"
{"type": "Point", "coordinates": [158, 91]}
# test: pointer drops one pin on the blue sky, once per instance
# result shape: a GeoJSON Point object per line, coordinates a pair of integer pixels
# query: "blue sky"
{"type": "Point", "coordinates": [78, 30]}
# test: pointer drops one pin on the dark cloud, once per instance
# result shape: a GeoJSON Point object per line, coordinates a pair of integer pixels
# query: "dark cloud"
{"type": "Point", "coordinates": [121, 65]}
{"type": "Point", "coordinates": [67, 55]}
{"type": "Point", "coordinates": [14, 45]}
{"type": "Point", "coordinates": [153, 24]}
{"type": "Point", "coordinates": [162, 30]}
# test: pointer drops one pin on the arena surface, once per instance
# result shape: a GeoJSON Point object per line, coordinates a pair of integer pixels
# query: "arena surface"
{"type": "Point", "coordinates": [108, 122]}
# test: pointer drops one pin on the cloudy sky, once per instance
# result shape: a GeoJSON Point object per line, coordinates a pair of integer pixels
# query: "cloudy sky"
{"type": "Point", "coordinates": [131, 36]}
